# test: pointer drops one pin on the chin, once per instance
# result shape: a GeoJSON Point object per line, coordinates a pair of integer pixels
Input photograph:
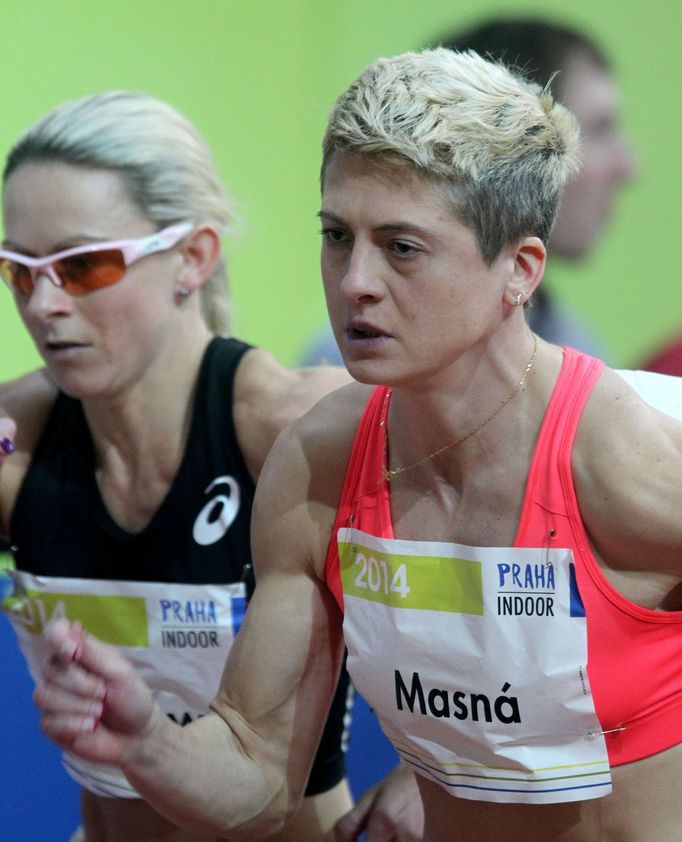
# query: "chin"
{"type": "Point", "coordinates": [375, 373]}
{"type": "Point", "coordinates": [79, 388]}
{"type": "Point", "coordinates": [361, 375]}
{"type": "Point", "coordinates": [367, 372]}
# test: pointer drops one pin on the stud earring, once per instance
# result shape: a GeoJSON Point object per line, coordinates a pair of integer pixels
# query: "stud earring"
{"type": "Point", "coordinates": [182, 294]}
{"type": "Point", "coordinates": [518, 298]}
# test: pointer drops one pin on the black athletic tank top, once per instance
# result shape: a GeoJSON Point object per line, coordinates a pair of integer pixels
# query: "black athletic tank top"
{"type": "Point", "coordinates": [199, 534]}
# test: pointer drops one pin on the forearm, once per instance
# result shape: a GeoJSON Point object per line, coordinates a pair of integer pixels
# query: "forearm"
{"type": "Point", "coordinates": [216, 776]}
{"type": "Point", "coordinates": [201, 778]}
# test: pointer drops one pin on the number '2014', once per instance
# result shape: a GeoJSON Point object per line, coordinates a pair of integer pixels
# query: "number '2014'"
{"type": "Point", "coordinates": [374, 576]}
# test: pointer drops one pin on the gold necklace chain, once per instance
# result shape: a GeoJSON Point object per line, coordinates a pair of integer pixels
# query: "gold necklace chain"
{"type": "Point", "coordinates": [389, 474]}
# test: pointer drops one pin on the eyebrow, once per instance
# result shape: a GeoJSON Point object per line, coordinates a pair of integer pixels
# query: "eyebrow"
{"type": "Point", "coordinates": [397, 226]}
{"type": "Point", "coordinates": [8, 245]}
{"type": "Point", "coordinates": [83, 240]}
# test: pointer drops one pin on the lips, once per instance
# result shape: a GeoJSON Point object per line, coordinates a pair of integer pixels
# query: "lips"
{"type": "Point", "coordinates": [359, 333]}
{"type": "Point", "coordinates": [55, 346]}
{"type": "Point", "coordinates": [58, 344]}
{"type": "Point", "coordinates": [364, 330]}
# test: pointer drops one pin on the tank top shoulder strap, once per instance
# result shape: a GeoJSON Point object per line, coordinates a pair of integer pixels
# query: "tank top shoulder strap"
{"type": "Point", "coordinates": [213, 422]}
{"type": "Point", "coordinates": [221, 359]}
{"type": "Point", "coordinates": [364, 500]}
{"type": "Point", "coordinates": [550, 480]}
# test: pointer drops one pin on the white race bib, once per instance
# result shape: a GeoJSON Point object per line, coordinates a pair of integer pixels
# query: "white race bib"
{"type": "Point", "coordinates": [177, 636]}
{"type": "Point", "coordinates": [474, 659]}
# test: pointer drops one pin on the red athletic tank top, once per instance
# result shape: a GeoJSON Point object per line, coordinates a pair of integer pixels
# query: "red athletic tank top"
{"type": "Point", "coordinates": [634, 653]}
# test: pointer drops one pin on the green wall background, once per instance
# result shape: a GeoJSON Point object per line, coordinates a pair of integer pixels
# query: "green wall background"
{"type": "Point", "coordinates": [258, 79]}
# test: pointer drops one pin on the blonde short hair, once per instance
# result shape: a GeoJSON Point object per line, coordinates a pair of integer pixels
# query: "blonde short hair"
{"type": "Point", "coordinates": [500, 146]}
{"type": "Point", "coordinates": [161, 158]}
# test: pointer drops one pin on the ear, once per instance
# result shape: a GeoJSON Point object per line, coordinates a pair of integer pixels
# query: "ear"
{"type": "Point", "coordinates": [529, 259]}
{"type": "Point", "coordinates": [200, 252]}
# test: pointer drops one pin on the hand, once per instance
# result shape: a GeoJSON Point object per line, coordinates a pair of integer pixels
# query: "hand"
{"type": "Point", "coordinates": [93, 702]}
{"type": "Point", "coordinates": [391, 811]}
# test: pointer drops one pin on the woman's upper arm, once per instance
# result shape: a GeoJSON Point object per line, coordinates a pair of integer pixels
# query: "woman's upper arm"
{"type": "Point", "coordinates": [26, 402]}
{"type": "Point", "coordinates": [627, 469]}
{"type": "Point", "coordinates": [283, 667]}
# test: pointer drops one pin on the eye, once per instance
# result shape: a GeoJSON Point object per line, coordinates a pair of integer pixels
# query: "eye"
{"type": "Point", "coordinates": [403, 248]}
{"type": "Point", "coordinates": [78, 263]}
{"type": "Point", "coordinates": [333, 235]}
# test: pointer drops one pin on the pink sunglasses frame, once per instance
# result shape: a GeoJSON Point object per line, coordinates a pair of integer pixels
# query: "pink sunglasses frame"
{"type": "Point", "coordinates": [132, 251]}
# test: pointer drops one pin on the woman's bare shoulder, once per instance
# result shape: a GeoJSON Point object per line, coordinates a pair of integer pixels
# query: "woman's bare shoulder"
{"type": "Point", "coordinates": [300, 486]}
{"type": "Point", "coordinates": [268, 397]}
{"type": "Point", "coordinates": [327, 431]}
{"type": "Point", "coordinates": [627, 462]}
{"type": "Point", "coordinates": [630, 413]}
{"type": "Point", "coordinates": [324, 435]}
{"type": "Point", "coordinates": [28, 400]}
{"type": "Point", "coordinates": [661, 391]}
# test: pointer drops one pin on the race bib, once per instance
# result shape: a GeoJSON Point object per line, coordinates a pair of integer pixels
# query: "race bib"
{"type": "Point", "coordinates": [177, 636]}
{"type": "Point", "coordinates": [474, 659]}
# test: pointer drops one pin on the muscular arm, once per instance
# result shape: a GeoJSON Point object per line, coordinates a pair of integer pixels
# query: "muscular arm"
{"type": "Point", "coordinates": [628, 473]}
{"type": "Point", "coordinates": [240, 771]}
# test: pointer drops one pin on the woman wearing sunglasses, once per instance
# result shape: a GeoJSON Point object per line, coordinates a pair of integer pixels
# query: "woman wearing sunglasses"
{"type": "Point", "coordinates": [128, 497]}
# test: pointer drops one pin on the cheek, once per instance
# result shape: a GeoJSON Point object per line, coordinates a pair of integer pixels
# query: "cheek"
{"type": "Point", "coordinates": [582, 195]}
{"type": "Point", "coordinates": [332, 278]}
{"type": "Point", "coordinates": [600, 159]}
{"type": "Point", "coordinates": [112, 315]}
{"type": "Point", "coordinates": [330, 290]}
{"type": "Point", "coordinates": [32, 321]}
{"type": "Point", "coordinates": [326, 272]}
{"type": "Point", "coordinates": [24, 315]}
{"type": "Point", "coordinates": [595, 171]}
{"type": "Point", "coordinates": [436, 312]}
{"type": "Point", "coordinates": [331, 268]}
{"type": "Point", "coordinates": [124, 320]}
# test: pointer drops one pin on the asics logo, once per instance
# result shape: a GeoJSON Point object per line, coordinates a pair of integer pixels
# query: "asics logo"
{"type": "Point", "coordinates": [217, 516]}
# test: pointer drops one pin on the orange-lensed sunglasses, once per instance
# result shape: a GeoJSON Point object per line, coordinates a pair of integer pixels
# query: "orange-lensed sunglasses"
{"type": "Point", "coordinates": [85, 269]}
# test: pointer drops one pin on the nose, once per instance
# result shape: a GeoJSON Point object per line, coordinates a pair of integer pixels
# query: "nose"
{"type": "Point", "coordinates": [47, 297]}
{"type": "Point", "coordinates": [362, 277]}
